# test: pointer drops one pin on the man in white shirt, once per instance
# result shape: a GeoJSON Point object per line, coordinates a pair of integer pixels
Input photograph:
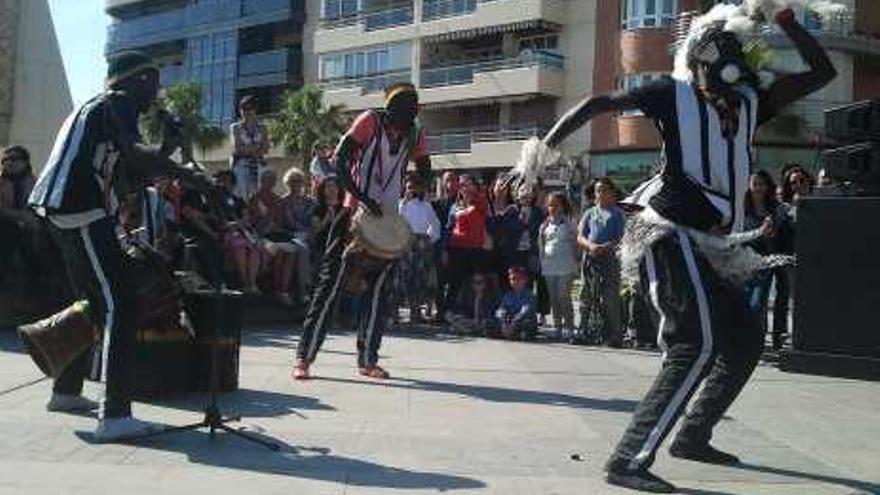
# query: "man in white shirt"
{"type": "Point", "coordinates": [417, 271]}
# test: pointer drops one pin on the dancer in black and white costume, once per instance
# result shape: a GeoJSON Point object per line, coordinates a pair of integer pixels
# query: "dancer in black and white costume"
{"type": "Point", "coordinates": [684, 249]}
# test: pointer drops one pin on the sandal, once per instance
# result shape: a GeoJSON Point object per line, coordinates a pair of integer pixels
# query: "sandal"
{"type": "Point", "coordinates": [301, 371]}
{"type": "Point", "coordinates": [375, 372]}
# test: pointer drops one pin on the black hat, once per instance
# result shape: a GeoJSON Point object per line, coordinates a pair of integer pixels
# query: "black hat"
{"type": "Point", "coordinates": [126, 64]}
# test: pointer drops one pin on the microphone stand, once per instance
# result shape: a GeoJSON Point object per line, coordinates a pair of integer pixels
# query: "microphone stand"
{"type": "Point", "coordinates": [214, 419]}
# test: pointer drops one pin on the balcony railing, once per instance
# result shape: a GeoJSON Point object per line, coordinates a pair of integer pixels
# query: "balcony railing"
{"type": "Point", "coordinates": [464, 74]}
{"type": "Point", "coordinates": [195, 19]}
{"type": "Point", "coordinates": [372, 20]}
{"type": "Point", "coordinates": [368, 84]}
{"type": "Point", "coordinates": [440, 9]}
{"type": "Point", "coordinates": [462, 140]}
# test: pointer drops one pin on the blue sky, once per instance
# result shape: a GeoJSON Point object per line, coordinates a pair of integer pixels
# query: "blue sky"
{"type": "Point", "coordinates": [81, 27]}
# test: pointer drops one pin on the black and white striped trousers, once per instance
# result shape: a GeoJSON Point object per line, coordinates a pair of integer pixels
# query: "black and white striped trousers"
{"type": "Point", "coordinates": [96, 266]}
{"type": "Point", "coordinates": [707, 333]}
{"type": "Point", "coordinates": [334, 268]}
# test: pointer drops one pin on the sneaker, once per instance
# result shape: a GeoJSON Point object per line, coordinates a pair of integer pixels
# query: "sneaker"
{"type": "Point", "coordinates": [112, 429]}
{"type": "Point", "coordinates": [70, 403]}
{"type": "Point", "coordinates": [702, 453]}
{"type": "Point", "coordinates": [638, 479]}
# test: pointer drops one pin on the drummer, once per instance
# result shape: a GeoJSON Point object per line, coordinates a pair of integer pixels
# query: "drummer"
{"type": "Point", "coordinates": [371, 160]}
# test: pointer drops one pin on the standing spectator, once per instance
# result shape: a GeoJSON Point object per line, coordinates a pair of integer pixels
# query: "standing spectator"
{"type": "Point", "coordinates": [516, 317]}
{"type": "Point", "coordinates": [295, 211]}
{"type": "Point", "coordinates": [328, 202]}
{"type": "Point", "coordinates": [321, 167]}
{"type": "Point", "coordinates": [761, 204]}
{"type": "Point", "coordinates": [599, 232]}
{"type": "Point", "coordinates": [417, 267]}
{"type": "Point", "coordinates": [250, 143]}
{"type": "Point", "coordinates": [468, 237]}
{"type": "Point", "coordinates": [796, 183]}
{"type": "Point", "coordinates": [557, 244]}
{"type": "Point", "coordinates": [504, 225]}
{"type": "Point", "coordinates": [442, 206]}
{"type": "Point", "coordinates": [278, 242]}
{"type": "Point", "coordinates": [530, 219]}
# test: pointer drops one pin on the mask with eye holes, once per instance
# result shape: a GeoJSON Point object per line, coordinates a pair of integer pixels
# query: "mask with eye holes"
{"type": "Point", "coordinates": [718, 61]}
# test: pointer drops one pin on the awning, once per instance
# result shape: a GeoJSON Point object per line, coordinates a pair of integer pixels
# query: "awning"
{"type": "Point", "coordinates": [535, 24]}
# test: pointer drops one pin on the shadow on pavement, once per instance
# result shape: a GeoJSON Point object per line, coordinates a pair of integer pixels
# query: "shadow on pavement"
{"type": "Point", "coordinates": [500, 394]}
{"type": "Point", "coordinates": [298, 462]}
{"type": "Point", "coordinates": [248, 403]}
{"type": "Point", "coordinates": [9, 341]}
{"type": "Point", "coordinates": [866, 486]}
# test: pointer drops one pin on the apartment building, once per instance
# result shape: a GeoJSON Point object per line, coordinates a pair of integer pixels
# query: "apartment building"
{"type": "Point", "coordinates": [490, 73]}
{"type": "Point", "coordinates": [34, 95]}
{"type": "Point", "coordinates": [231, 47]}
{"type": "Point", "coordinates": [632, 47]}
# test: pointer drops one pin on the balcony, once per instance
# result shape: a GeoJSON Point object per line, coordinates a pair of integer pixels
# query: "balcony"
{"type": "Point", "coordinates": [371, 20]}
{"type": "Point", "coordinates": [479, 148]}
{"type": "Point", "coordinates": [531, 73]}
{"type": "Point", "coordinates": [441, 9]}
{"type": "Point", "coordinates": [454, 18]}
{"type": "Point", "coordinates": [271, 68]}
{"type": "Point", "coordinates": [197, 19]}
{"type": "Point", "coordinates": [360, 93]}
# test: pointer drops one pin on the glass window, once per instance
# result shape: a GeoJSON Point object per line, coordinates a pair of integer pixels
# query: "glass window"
{"type": "Point", "coordinates": [373, 60]}
{"type": "Point", "coordinates": [632, 81]}
{"type": "Point", "coordinates": [648, 13]}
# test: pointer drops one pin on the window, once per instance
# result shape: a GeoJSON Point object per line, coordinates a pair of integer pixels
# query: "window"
{"type": "Point", "coordinates": [373, 60]}
{"type": "Point", "coordinates": [337, 9]}
{"type": "Point", "coordinates": [547, 42]}
{"type": "Point", "coordinates": [648, 13]}
{"type": "Point", "coordinates": [633, 81]}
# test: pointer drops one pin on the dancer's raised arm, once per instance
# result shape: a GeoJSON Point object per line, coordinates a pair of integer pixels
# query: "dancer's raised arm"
{"type": "Point", "coordinates": [584, 111]}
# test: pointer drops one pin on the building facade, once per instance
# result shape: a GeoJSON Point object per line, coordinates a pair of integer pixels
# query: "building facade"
{"type": "Point", "coordinates": [34, 94]}
{"type": "Point", "coordinates": [490, 73]}
{"type": "Point", "coordinates": [633, 46]}
{"type": "Point", "coordinates": [232, 47]}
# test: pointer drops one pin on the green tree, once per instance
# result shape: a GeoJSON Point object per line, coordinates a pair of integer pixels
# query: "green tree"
{"type": "Point", "coordinates": [184, 100]}
{"type": "Point", "coordinates": [304, 120]}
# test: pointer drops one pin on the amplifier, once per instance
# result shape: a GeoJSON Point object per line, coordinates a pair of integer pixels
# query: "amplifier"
{"type": "Point", "coordinates": [854, 122]}
{"type": "Point", "coordinates": [837, 300]}
{"type": "Point", "coordinates": [858, 163]}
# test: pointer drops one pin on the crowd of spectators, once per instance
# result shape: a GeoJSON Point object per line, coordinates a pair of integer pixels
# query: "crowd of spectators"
{"type": "Point", "coordinates": [498, 259]}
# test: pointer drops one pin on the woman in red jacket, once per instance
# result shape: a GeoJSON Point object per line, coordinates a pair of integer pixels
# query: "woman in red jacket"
{"type": "Point", "coordinates": [469, 242]}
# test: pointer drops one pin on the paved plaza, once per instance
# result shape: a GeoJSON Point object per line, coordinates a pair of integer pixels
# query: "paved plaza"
{"type": "Point", "coordinates": [460, 416]}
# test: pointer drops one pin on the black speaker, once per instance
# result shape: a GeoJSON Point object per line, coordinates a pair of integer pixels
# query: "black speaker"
{"type": "Point", "coordinates": [858, 164]}
{"type": "Point", "coordinates": [837, 279]}
{"type": "Point", "coordinates": [854, 122]}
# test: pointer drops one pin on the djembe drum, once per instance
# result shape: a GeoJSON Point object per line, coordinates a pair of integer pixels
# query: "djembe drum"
{"type": "Point", "coordinates": [375, 242]}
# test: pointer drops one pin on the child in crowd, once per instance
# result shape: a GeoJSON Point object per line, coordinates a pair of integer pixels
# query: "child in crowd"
{"type": "Point", "coordinates": [472, 312]}
{"type": "Point", "coordinates": [517, 317]}
{"type": "Point", "coordinates": [557, 248]}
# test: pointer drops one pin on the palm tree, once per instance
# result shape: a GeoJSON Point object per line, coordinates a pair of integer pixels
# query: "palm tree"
{"type": "Point", "coordinates": [304, 121]}
{"type": "Point", "coordinates": [184, 100]}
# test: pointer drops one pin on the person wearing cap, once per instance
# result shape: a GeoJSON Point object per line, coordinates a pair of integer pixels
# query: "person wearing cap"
{"type": "Point", "coordinates": [370, 161]}
{"type": "Point", "coordinates": [686, 251]}
{"type": "Point", "coordinates": [76, 196]}
{"type": "Point", "coordinates": [250, 143]}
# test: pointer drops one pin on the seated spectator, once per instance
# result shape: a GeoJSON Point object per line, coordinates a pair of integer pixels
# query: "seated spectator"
{"type": "Point", "coordinates": [417, 267]}
{"type": "Point", "coordinates": [295, 210]}
{"type": "Point", "coordinates": [599, 232]}
{"type": "Point", "coordinates": [473, 310]}
{"type": "Point", "coordinates": [516, 317]}
{"type": "Point", "coordinates": [557, 244]}
{"type": "Point", "coordinates": [279, 242]}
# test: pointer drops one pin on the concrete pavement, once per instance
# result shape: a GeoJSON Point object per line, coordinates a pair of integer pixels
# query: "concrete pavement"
{"type": "Point", "coordinates": [461, 416]}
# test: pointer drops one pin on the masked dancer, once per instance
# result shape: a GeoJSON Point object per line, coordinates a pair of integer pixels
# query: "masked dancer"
{"type": "Point", "coordinates": [684, 250]}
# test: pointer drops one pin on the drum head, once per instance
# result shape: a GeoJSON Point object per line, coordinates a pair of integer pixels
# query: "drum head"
{"type": "Point", "coordinates": [386, 237]}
